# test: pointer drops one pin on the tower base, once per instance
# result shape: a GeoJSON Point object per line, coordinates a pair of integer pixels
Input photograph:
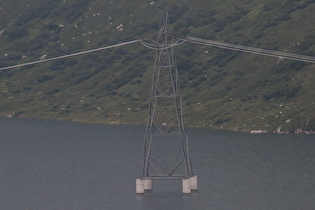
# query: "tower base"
{"type": "Point", "coordinates": [193, 183]}
{"type": "Point", "coordinates": [147, 184]}
{"type": "Point", "coordinates": [188, 185]}
{"type": "Point", "coordinates": [139, 186]}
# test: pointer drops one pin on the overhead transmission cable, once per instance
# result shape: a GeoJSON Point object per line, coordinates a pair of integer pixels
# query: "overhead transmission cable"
{"type": "Point", "coordinates": [222, 45]}
{"type": "Point", "coordinates": [258, 51]}
{"type": "Point", "coordinates": [68, 55]}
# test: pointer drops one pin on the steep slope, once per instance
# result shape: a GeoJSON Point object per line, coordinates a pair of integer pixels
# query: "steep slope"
{"type": "Point", "coordinates": [221, 88]}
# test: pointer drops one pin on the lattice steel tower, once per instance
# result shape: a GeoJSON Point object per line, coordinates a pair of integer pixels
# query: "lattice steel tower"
{"type": "Point", "coordinates": [166, 152]}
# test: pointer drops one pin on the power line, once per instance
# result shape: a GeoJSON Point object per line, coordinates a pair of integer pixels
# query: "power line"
{"type": "Point", "coordinates": [68, 55]}
{"type": "Point", "coordinates": [252, 50]}
{"type": "Point", "coordinates": [222, 45]}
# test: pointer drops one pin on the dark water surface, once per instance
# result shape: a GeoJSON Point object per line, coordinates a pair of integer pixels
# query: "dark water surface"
{"type": "Point", "coordinates": [62, 165]}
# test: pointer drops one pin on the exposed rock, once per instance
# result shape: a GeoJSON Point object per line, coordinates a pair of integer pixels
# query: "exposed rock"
{"type": "Point", "coordinates": [43, 57]}
{"type": "Point", "coordinates": [120, 27]}
{"type": "Point", "coordinates": [258, 131]}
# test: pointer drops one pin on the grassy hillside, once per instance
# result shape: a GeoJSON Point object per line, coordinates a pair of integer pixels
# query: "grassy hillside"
{"type": "Point", "coordinates": [221, 88]}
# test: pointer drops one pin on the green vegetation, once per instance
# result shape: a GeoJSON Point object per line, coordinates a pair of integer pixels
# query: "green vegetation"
{"type": "Point", "coordinates": [221, 88]}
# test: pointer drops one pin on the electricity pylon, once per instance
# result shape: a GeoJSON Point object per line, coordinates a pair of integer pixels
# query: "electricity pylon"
{"type": "Point", "coordinates": [166, 152]}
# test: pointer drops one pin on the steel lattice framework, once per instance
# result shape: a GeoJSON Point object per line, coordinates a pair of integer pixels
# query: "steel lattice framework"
{"type": "Point", "coordinates": [166, 152]}
{"type": "Point", "coordinates": [165, 119]}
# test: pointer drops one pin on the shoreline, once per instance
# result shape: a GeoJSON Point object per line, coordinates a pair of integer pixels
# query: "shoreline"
{"type": "Point", "coordinates": [258, 131]}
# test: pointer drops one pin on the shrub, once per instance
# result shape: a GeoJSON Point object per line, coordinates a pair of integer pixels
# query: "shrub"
{"type": "Point", "coordinates": [16, 32]}
{"type": "Point", "coordinates": [50, 27]}
{"type": "Point", "coordinates": [43, 78]}
{"type": "Point", "coordinates": [55, 90]}
{"type": "Point", "coordinates": [282, 92]}
{"type": "Point", "coordinates": [27, 88]}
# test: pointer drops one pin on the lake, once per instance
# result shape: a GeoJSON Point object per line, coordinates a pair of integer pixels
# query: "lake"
{"type": "Point", "coordinates": [48, 164]}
